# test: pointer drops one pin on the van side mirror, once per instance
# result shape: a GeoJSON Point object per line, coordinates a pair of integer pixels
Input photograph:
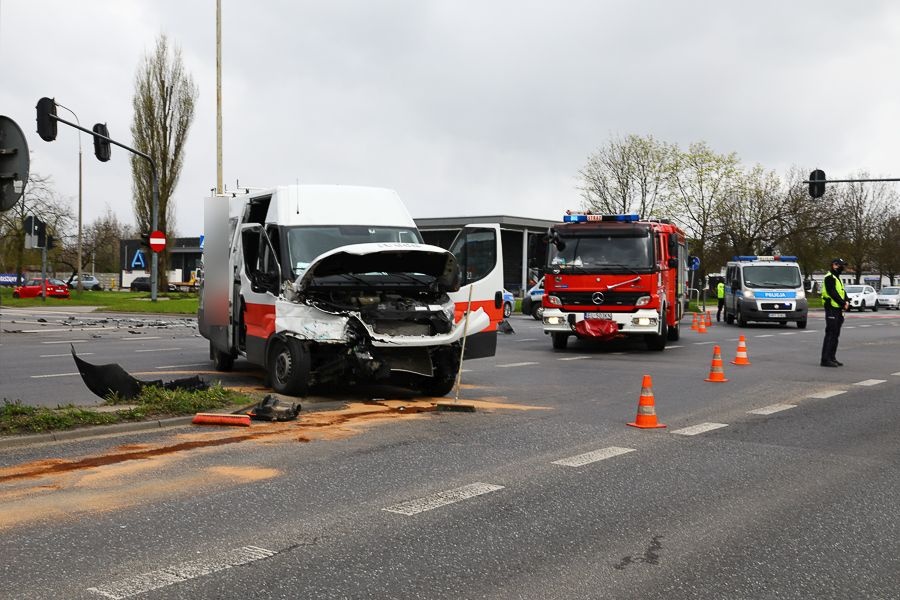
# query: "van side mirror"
{"type": "Point", "coordinates": [673, 262]}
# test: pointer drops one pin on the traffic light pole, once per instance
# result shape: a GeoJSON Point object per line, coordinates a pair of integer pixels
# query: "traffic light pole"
{"type": "Point", "coordinates": [154, 261]}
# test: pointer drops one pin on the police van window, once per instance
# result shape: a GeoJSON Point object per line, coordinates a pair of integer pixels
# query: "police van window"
{"type": "Point", "coordinates": [772, 276]}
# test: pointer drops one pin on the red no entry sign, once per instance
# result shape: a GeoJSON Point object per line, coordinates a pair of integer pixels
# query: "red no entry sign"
{"type": "Point", "coordinates": [157, 241]}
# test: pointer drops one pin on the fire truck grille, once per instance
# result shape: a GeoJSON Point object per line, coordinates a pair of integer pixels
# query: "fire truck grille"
{"type": "Point", "coordinates": [609, 298]}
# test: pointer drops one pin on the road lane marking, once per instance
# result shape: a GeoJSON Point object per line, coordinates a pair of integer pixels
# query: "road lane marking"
{"type": "Point", "coordinates": [766, 335]}
{"type": "Point", "coordinates": [66, 354]}
{"type": "Point", "coordinates": [850, 327]}
{"type": "Point", "coordinates": [180, 366]}
{"type": "Point", "coordinates": [771, 409]}
{"type": "Point", "coordinates": [698, 429]}
{"type": "Point", "coordinates": [861, 326]}
{"type": "Point", "coordinates": [810, 331]}
{"type": "Point", "coordinates": [528, 340]}
{"type": "Point", "coordinates": [138, 339]}
{"type": "Point", "coordinates": [521, 364]}
{"type": "Point", "coordinates": [589, 457]}
{"type": "Point", "coordinates": [158, 350]}
{"type": "Point", "coordinates": [413, 507]}
{"type": "Point", "coordinates": [145, 582]}
{"type": "Point", "coordinates": [868, 382]}
{"type": "Point", "coordinates": [67, 342]}
{"type": "Point", "coordinates": [670, 347]}
{"type": "Point", "coordinates": [788, 333]}
{"type": "Point", "coordinates": [827, 394]}
{"type": "Point", "coordinates": [574, 358]}
{"type": "Point", "coordinates": [897, 373]}
{"type": "Point", "coordinates": [703, 343]}
{"type": "Point", "coordinates": [53, 375]}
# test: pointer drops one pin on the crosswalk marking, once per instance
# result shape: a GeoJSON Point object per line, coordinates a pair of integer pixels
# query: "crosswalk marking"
{"type": "Point", "coordinates": [594, 456]}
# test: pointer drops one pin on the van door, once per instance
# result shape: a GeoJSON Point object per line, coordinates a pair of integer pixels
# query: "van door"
{"type": "Point", "coordinates": [479, 253]}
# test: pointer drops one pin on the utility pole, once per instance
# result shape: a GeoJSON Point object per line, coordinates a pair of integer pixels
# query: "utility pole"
{"type": "Point", "coordinates": [219, 187]}
{"type": "Point", "coordinates": [80, 283]}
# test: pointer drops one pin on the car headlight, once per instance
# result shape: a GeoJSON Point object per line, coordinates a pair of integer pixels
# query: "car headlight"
{"type": "Point", "coordinates": [642, 301]}
{"type": "Point", "coordinates": [801, 294]}
{"type": "Point", "coordinates": [554, 300]}
{"type": "Point", "coordinates": [748, 294]}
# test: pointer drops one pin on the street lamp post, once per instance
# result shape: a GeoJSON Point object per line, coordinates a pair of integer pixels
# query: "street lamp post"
{"type": "Point", "coordinates": [80, 282]}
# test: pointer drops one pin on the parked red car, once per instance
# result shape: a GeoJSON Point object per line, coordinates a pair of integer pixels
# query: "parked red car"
{"type": "Point", "coordinates": [32, 289]}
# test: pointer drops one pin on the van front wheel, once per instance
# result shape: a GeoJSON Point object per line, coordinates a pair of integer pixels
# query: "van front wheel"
{"type": "Point", "coordinates": [288, 367]}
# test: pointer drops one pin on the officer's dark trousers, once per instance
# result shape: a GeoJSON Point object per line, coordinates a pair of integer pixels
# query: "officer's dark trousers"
{"type": "Point", "coordinates": [834, 318]}
{"type": "Point", "coordinates": [721, 306]}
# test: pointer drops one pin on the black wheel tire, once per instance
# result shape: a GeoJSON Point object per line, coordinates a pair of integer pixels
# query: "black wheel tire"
{"type": "Point", "coordinates": [16, 295]}
{"type": "Point", "coordinates": [875, 307]}
{"type": "Point", "coordinates": [862, 306]}
{"type": "Point", "coordinates": [537, 312]}
{"type": "Point", "coordinates": [222, 361]}
{"type": "Point", "coordinates": [742, 322]}
{"type": "Point", "coordinates": [507, 310]}
{"type": "Point", "coordinates": [782, 323]}
{"type": "Point", "coordinates": [657, 342]}
{"type": "Point", "coordinates": [801, 324]}
{"type": "Point", "coordinates": [560, 340]}
{"type": "Point", "coordinates": [729, 318]}
{"type": "Point", "coordinates": [288, 367]}
{"type": "Point", "coordinates": [674, 333]}
{"type": "Point", "coordinates": [446, 367]}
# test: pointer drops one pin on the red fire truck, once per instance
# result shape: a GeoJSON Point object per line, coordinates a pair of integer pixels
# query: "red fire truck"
{"type": "Point", "coordinates": [609, 276]}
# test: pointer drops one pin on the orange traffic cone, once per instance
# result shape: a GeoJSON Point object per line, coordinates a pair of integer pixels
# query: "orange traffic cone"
{"type": "Point", "coordinates": [694, 322]}
{"type": "Point", "coordinates": [708, 319]}
{"type": "Point", "coordinates": [646, 413]}
{"type": "Point", "coordinates": [701, 326]}
{"type": "Point", "coordinates": [716, 374]}
{"type": "Point", "coordinates": [741, 358]}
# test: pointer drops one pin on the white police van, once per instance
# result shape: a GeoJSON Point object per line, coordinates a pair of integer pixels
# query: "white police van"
{"type": "Point", "coordinates": [765, 289]}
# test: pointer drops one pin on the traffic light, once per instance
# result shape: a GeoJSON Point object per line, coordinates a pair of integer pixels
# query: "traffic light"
{"type": "Point", "coordinates": [817, 183]}
{"type": "Point", "coordinates": [14, 163]}
{"type": "Point", "coordinates": [101, 146]}
{"type": "Point", "coordinates": [40, 230]}
{"type": "Point", "coordinates": [145, 239]}
{"type": "Point", "coordinates": [46, 119]}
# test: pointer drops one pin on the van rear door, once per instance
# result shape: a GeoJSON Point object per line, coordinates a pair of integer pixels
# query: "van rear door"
{"type": "Point", "coordinates": [479, 253]}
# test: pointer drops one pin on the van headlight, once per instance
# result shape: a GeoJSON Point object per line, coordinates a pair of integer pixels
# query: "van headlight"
{"type": "Point", "coordinates": [642, 301]}
{"type": "Point", "coordinates": [554, 300]}
{"type": "Point", "coordinates": [748, 294]}
{"type": "Point", "coordinates": [801, 294]}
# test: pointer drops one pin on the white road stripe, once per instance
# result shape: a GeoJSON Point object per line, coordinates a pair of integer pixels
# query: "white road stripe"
{"type": "Point", "coordinates": [701, 428]}
{"type": "Point", "coordinates": [850, 327]}
{"type": "Point", "coordinates": [528, 340]}
{"type": "Point", "coordinates": [810, 331]}
{"type": "Point", "coordinates": [703, 343]}
{"type": "Point", "coordinates": [772, 408]}
{"type": "Point", "coordinates": [440, 499]}
{"type": "Point", "coordinates": [53, 375]}
{"type": "Point", "coordinates": [788, 333]}
{"type": "Point", "coordinates": [670, 347]}
{"type": "Point", "coordinates": [521, 364]}
{"type": "Point", "coordinates": [827, 394]}
{"type": "Point", "coordinates": [66, 354]}
{"type": "Point", "coordinates": [589, 457]}
{"type": "Point", "coordinates": [67, 342]}
{"type": "Point", "coordinates": [145, 582]}
{"type": "Point", "coordinates": [861, 326]}
{"type": "Point", "coordinates": [896, 374]}
{"type": "Point", "coordinates": [178, 366]}
{"type": "Point", "coordinates": [138, 338]}
{"type": "Point", "coordinates": [869, 382]}
{"type": "Point", "coordinates": [574, 358]}
{"type": "Point", "coordinates": [158, 350]}
{"type": "Point", "coordinates": [766, 335]}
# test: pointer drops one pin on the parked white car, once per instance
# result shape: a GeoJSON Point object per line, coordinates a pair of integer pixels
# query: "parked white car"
{"type": "Point", "coordinates": [889, 297]}
{"type": "Point", "coordinates": [862, 297]}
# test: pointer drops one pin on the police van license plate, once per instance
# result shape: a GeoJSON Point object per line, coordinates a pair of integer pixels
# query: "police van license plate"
{"type": "Point", "coordinates": [777, 315]}
{"type": "Point", "coordinates": [598, 315]}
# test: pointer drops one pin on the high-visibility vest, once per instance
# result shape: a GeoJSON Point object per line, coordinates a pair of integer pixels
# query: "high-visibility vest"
{"type": "Point", "coordinates": [838, 287]}
{"type": "Point", "coordinates": [720, 290]}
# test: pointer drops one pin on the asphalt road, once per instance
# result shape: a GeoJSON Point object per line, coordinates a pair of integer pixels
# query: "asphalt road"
{"type": "Point", "coordinates": [788, 487]}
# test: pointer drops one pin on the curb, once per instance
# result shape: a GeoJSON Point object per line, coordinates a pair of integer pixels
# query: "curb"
{"type": "Point", "coordinates": [91, 432]}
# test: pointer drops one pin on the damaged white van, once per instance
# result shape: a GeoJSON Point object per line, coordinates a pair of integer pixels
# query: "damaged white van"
{"type": "Point", "coordinates": [320, 284]}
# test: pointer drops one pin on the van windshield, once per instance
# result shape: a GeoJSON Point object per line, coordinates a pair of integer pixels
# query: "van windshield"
{"type": "Point", "coordinates": [772, 276]}
{"type": "Point", "coordinates": [306, 243]}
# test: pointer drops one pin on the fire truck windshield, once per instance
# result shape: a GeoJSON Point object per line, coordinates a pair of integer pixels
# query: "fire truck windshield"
{"type": "Point", "coordinates": [603, 252]}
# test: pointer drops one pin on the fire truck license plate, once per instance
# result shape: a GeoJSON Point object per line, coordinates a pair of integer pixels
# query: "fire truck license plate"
{"type": "Point", "coordinates": [598, 315]}
{"type": "Point", "coordinates": [777, 315]}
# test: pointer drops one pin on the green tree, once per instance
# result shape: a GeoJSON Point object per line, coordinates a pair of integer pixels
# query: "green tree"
{"type": "Point", "coordinates": [164, 101]}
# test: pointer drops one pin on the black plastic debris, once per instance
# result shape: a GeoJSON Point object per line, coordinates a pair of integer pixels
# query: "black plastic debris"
{"type": "Point", "coordinates": [504, 327]}
{"type": "Point", "coordinates": [105, 380]}
{"type": "Point", "coordinates": [271, 408]}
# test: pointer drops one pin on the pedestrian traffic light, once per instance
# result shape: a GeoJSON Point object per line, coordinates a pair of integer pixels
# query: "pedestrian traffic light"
{"type": "Point", "coordinates": [101, 145]}
{"type": "Point", "coordinates": [46, 119]}
{"type": "Point", "coordinates": [817, 183]}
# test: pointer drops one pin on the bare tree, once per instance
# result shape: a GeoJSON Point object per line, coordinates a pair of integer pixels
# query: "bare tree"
{"type": "Point", "coordinates": [627, 175]}
{"type": "Point", "coordinates": [164, 101]}
{"type": "Point", "coordinates": [862, 208]}
{"type": "Point", "coordinates": [39, 200]}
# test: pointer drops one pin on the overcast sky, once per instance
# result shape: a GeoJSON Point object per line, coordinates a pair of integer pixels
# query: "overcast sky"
{"type": "Point", "coordinates": [464, 107]}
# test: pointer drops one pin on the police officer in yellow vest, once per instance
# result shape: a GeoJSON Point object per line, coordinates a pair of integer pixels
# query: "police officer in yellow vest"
{"type": "Point", "coordinates": [720, 294]}
{"type": "Point", "coordinates": [834, 299]}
